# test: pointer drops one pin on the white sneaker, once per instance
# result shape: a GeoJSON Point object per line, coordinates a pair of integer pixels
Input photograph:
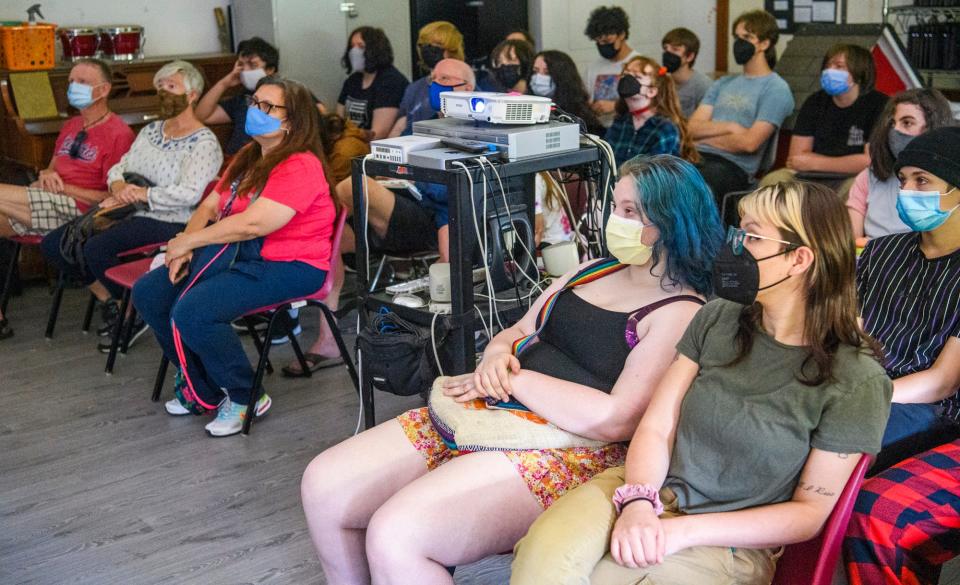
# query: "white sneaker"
{"type": "Point", "coordinates": [230, 417]}
{"type": "Point", "coordinates": [174, 408]}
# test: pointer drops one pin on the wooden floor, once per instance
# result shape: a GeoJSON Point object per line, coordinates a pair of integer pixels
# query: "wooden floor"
{"type": "Point", "coordinates": [98, 485]}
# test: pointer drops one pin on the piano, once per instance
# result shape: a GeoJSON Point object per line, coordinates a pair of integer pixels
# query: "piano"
{"type": "Point", "coordinates": [29, 144]}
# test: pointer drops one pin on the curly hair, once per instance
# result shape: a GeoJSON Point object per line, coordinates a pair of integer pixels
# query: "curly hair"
{"type": "Point", "coordinates": [378, 53]}
{"type": "Point", "coordinates": [607, 20]}
{"type": "Point", "coordinates": [570, 96]}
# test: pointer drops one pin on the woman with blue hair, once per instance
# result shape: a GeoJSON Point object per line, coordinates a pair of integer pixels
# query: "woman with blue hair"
{"type": "Point", "coordinates": [397, 502]}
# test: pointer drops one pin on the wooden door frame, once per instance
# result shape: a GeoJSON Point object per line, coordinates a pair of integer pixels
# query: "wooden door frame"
{"type": "Point", "coordinates": [723, 35]}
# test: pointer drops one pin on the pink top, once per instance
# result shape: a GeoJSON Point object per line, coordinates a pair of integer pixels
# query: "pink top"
{"type": "Point", "coordinates": [298, 183]}
{"type": "Point", "coordinates": [106, 142]}
{"type": "Point", "coordinates": [857, 199]}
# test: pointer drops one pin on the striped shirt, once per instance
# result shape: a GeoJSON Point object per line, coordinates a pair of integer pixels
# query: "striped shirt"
{"type": "Point", "coordinates": [910, 304]}
{"type": "Point", "coordinates": [658, 135]}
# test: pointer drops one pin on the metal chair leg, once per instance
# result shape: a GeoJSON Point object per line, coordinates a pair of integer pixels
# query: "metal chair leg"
{"type": "Point", "coordinates": [257, 342]}
{"type": "Point", "coordinates": [117, 331]}
{"type": "Point", "coordinates": [161, 375]}
{"type": "Point", "coordinates": [88, 315]}
{"type": "Point", "coordinates": [251, 411]}
{"type": "Point", "coordinates": [298, 351]}
{"type": "Point", "coordinates": [376, 277]}
{"type": "Point", "coordinates": [128, 331]}
{"type": "Point", "coordinates": [8, 280]}
{"type": "Point", "coordinates": [344, 352]}
{"type": "Point", "coordinates": [55, 306]}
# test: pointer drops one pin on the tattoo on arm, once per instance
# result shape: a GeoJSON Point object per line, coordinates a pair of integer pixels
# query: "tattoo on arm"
{"type": "Point", "coordinates": [809, 487]}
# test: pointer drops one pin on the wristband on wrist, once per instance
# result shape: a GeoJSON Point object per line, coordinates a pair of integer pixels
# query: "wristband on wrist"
{"type": "Point", "coordinates": [632, 492]}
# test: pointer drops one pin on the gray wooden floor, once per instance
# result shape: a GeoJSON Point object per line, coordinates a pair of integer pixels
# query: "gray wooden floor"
{"type": "Point", "coordinates": [99, 486]}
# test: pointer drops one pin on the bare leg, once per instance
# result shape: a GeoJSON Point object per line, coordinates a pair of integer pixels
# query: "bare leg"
{"type": "Point", "coordinates": [14, 203]}
{"type": "Point", "coordinates": [99, 291]}
{"type": "Point", "coordinates": [381, 203]}
{"type": "Point", "coordinates": [469, 508]}
{"type": "Point", "coordinates": [343, 487]}
{"type": "Point", "coordinates": [325, 345]}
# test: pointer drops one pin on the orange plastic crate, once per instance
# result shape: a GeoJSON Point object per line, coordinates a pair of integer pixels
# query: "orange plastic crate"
{"type": "Point", "coordinates": [27, 48]}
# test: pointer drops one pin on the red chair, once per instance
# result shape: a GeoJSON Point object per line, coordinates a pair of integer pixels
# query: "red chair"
{"type": "Point", "coordinates": [814, 561]}
{"type": "Point", "coordinates": [271, 313]}
{"type": "Point", "coordinates": [125, 275]}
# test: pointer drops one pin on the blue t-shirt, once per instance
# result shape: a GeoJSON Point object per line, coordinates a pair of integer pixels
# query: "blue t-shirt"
{"type": "Point", "coordinates": [434, 200]}
{"type": "Point", "coordinates": [415, 104]}
{"type": "Point", "coordinates": [747, 100]}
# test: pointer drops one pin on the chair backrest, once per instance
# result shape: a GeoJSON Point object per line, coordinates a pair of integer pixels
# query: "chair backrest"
{"type": "Point", "coordinates": [769, 153]}
{"type": "Point", "coordinates": [813, 562]}
{"type": "Point", "coordinates": [338, 225]}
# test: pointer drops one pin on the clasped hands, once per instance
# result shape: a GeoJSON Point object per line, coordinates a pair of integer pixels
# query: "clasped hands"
{"type": "Point", "coordinates": [123, 193]}
{"type": "Point", "coordinates": [490, 380]}
{"type": "Point", "coordinates": [177, 257]}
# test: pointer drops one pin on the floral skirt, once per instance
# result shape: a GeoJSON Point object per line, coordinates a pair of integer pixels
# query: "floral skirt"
{"type": "Point", "coordinates": [548, 473]}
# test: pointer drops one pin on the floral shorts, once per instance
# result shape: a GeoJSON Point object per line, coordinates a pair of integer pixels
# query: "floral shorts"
{"type": "Point", "coordinates": [548, 473]}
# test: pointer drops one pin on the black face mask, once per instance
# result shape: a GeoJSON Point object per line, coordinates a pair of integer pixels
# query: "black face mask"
{"type": "Point", "coordinates": [671, 61]}
{"type": "Point", "coordinates": [628, 86]}
{"type": "Point", "coordinates": [431, 55]}
{"type": "Point", "coordinates": [743, 51]}
{"type": "Point", "coordinates": [736, 277]}
{"type": "Point", "coordinates": [507, 75]}
{"type": "Point", "coordinates": [607, 50]}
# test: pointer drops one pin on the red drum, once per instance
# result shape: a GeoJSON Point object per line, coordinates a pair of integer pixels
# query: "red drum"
{"type": "Point", "coordinates": [121, 42]}
{"type": "Point", "coordinates": [78, 42]}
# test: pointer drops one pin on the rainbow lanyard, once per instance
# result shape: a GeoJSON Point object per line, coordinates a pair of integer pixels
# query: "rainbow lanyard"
{"type": "Point", "coordinates": [588, 274]}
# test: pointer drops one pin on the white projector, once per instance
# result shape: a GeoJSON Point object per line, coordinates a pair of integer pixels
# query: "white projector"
{"type": "Point", "coordinates": [397, 150]}
{"type": "Point", "coordinates": [496, 108]}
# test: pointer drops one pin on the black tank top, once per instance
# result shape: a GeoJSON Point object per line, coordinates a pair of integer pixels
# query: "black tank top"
{"type": "Point", "coordinates": [586, 344]}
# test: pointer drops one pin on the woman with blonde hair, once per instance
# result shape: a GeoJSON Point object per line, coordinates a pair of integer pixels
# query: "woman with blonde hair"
{"type": "Point", "coordinates": [649, 119]}
{"type": "Point", "coordinates": [754, 430]}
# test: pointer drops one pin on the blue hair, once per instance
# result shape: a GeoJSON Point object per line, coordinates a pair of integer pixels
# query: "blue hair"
{"type": "Point", "coordinates": [675, 198]}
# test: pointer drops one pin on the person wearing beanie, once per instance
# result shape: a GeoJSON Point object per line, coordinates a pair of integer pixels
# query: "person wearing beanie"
{"type": "Point", "coordinates": [909, 289]}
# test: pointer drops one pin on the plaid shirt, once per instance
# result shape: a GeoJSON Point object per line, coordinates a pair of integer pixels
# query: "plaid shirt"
{"type": "Point", "coordinates": [658, 135]}
{"type": "Point", "coordinates": [906, 522]}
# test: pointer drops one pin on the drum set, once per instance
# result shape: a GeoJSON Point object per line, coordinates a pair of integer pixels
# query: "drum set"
{"type": "Point", "coordinates": [120, 42]}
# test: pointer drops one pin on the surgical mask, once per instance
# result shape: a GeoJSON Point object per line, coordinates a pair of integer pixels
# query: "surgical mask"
{"type": "Point", "coordinates": [431, 55]}
{"type": "Point", "coordinates": [358, 61]}
{"type": "Point", "coordinates": [671, 61]}
{"type": "Point", "coordinates": [736, 275]}
{"type": "Point", "coordinates": [835, 81]}
{"type": "Point", "coordinates": [623, 240]}
{"type": "Point", "coordinates": [542, 85]}
{"type": "Point", "coordinates": [258, 123]}
{"type": "Point", "coordinates": [507, 75]}
{"type": "Point", "coordinates": [607, 50]}
{"type": "Point", "coordinates": [898, 141]}
{"type": "Point", "coordinates": [250, 78]}
{"type": "Point", "coordinates": [743, 51]}
{"type": "Point", "coordinates": [172, 104]}
{"type": "Point", "coordinates": [920, 210]}
{"type": "Point", "coordinates": [435, 89]}
{"type": "Point", "coordinates": [80, 95]}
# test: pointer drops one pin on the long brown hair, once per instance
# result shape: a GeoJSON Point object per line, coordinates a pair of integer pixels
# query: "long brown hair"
{"type": "Point", "coordinates": [811, 215]}
{"type": "Point", "coordinates": [666, 102]}
{"type": "Point", "coordinates": [303, 136]}
{"type": "Point", "coordinates": [936, 113]}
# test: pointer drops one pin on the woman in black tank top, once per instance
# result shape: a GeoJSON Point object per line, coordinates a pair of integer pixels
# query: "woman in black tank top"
{"type": "Point", "coordinates": [394, 501]}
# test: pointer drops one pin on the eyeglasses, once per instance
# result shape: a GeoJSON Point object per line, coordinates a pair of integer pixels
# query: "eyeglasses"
{"type": "Point", "coordinates": [450, 81]}
{"type": "Point", "coordinates": [263, 106]}
{"type": "Point", "coordinates": [77, 143]}
{"type": "Point", "coordinates": [736, 236]}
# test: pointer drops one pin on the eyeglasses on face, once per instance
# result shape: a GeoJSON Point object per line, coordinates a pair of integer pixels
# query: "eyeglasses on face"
{"type": "Point", "coordinates": [262, 105]}
{"type": "Point", "coordinates": [737, 236]}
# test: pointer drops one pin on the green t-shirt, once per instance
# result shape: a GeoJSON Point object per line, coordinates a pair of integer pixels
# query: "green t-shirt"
{"type": "Point", "coordinates": [745, 431]}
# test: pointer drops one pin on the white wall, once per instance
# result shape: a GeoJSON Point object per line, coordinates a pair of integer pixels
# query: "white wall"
{"type": "Point", "coordinates": [171, 27]}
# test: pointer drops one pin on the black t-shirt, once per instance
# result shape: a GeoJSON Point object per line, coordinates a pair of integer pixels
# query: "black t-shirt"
{"type": "Point", "coordinates": [236, 108]}
{"type": "Point", "coordinates": [839, 131]}
{"type": "Point", "coordinates": [386, 91]}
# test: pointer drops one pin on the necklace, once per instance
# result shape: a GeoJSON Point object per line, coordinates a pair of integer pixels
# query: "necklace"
{"type": "Point", "coordinates": [97, 121]}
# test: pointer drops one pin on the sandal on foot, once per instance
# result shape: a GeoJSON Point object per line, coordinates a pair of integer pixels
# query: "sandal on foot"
{"type": "Point", "coordinates": [314, 361]}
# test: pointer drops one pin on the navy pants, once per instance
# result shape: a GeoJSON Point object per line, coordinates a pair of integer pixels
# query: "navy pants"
{"type": "Point", "coordinates": [100, 251]}
{"type": "Point", "coordinates": [235, 282]}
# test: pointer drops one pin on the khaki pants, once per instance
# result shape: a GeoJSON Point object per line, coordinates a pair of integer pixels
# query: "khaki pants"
{"type": "Point", "coordinates": [780, 175]}
{"type": "Point", "coordinates": [567, 545]}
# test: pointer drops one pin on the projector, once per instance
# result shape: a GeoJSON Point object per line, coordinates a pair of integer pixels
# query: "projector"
{"type": "Point", "coordinates": [496, 108]}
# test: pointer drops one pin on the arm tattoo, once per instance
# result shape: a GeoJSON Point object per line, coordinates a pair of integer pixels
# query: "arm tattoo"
{"type": "Point", "coordinates": [809, 487]}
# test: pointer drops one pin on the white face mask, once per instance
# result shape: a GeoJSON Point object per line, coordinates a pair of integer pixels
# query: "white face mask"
{"type": "Point", "coordinates": [357, 59]}
{"type": "Point", "coordinates": [250, 78]}
{"type": "Point", "coordinates": [542, 85]}
{"type": "Point", "coordinates": [623, 240]}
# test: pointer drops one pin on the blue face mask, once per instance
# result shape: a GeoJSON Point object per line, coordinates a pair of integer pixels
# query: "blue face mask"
{"type": "Point", "coordinates": [80, 95]}
{"type": "Point", "coordinates": [835, 81]}
{"type": "Point", "coordinates": [435, 89]}
{"type": "Point", "coordinates": [920, 210]}
{"type": "Point", "coordinates": [258, 123]}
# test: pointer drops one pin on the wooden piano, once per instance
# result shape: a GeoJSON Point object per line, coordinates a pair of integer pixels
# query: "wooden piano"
{"type": "Point", "coordinates": [29, 144]}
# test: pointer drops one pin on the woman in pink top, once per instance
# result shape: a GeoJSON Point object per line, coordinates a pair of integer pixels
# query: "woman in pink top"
{"type": "Point", "coordinates": [268, 240]}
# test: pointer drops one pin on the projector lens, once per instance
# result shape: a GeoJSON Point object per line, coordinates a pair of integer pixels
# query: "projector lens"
{"type": "Point", "coordinates": [478, 105]}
